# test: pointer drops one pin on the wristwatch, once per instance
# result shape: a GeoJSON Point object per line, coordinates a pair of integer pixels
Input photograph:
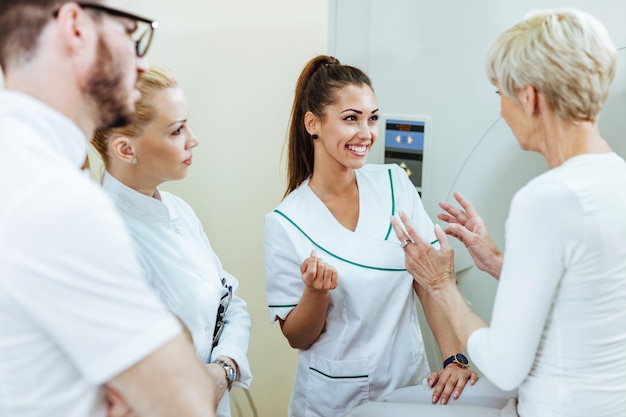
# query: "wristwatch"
{"type": "Point", "coordinates": [231, 372]}
{"type": "Point", "coordinates": [459, 358]}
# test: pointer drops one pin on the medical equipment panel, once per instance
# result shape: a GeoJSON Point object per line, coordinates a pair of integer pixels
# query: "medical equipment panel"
{"type": "Point", "coordinates": [405, 139]}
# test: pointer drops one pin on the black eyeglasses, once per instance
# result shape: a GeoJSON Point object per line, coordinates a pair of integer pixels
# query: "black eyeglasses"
{"type": "Point", "coordinates": [141, 37]}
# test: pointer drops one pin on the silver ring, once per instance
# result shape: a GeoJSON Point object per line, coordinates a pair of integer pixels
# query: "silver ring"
{"type": "Point", "coordinates": [405, 242]}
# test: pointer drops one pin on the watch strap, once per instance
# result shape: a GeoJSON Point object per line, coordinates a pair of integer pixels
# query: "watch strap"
{"type": "Point", "coordinates": [231, 372]}
{"type": "Point", "coordinates": [457, 358]}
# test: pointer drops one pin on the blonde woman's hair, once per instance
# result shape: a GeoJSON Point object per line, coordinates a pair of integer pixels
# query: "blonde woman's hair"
{"type": "Point", "coordinates": [156, 79]}
{"type": "Point", "coordinates": [566, 54]}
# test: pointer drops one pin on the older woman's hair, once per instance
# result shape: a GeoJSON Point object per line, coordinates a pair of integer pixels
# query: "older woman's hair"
{"type": "Point", "coordinates": [156, 79]}
{"type": "Point", "coordinates": [565, 54]}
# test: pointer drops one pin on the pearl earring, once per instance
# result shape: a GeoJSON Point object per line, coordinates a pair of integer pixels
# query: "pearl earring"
{"type": "Point", "coordinates": [134, 161]}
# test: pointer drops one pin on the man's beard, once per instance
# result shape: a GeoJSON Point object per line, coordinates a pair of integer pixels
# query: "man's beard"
{"type": "Point", "coordinates": [106, 88]}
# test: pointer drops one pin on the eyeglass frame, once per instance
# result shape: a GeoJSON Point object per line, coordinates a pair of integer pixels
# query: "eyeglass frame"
{"type": "Point", "coordinates": [152, 24]}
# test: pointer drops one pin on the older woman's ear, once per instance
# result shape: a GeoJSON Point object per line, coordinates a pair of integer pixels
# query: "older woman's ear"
{"type": "Point", "coordinates": [529, 98]}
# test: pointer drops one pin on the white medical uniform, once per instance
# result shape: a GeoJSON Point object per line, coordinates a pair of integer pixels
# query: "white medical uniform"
{"type": "Point", "coordinates": [371, 344]}
{"type": "Point", "coordinates": [178, 262]}
{"type": "Point", "coordinates": [74, 311]}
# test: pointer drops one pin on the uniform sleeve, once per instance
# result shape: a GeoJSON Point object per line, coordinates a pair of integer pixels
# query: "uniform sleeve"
{"type": "Point", "coordinates": [236, 334]}
{"type": "Point", "coordinates": [283, 282]}
{"type": "Point", "coordinates": [540, 226]}
{"type": "Point", "coordinates": [71, 270]}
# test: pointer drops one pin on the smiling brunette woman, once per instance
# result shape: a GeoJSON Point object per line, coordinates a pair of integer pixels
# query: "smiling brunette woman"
{"type": "Point", "coordinates": [353, 317]}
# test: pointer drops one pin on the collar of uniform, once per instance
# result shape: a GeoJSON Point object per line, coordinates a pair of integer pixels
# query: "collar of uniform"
{"type": "Point", "coordinates": [133, 201]}
{"type": "Point", "coordinates": [60, 133]}
{"type": "Point", "coordinates": [308, 216]}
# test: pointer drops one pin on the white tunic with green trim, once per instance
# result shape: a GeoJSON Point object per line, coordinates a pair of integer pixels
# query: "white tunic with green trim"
{"type": "Point", "coordinates": [371, 344]}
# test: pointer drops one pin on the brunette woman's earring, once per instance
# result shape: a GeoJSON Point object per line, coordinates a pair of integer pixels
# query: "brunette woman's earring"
{"type": "Point", "coordinates": [314, 137]}
{"type": "Point", "coordinates": [134, 161]}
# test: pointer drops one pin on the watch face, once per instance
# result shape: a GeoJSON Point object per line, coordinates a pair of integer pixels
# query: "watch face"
{"type": "Point", "coordinates": [462, 359]}
{"type": "Point", "coordinates": [231, 373]}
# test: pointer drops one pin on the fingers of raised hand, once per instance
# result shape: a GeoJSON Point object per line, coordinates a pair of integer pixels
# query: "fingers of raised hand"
{"type": "Point", "coordinates": [467, 237]}
{"type": "Point", "coordinates": [446, 218]}
{"type": "Point", "coordinates": [444, 245]}
{"type": "Point", "coordinates": [465, 203]}
{"type": "Point", "coordinates": [320, 275]}
{"type": "Point", "coordinates": [411, 232]}
{"type": "Point", "coordinates": [398, 228]}
{"type": "Point", "coordinates": [309, 269]}
{"type": "Point", "coordinates": [310, 263]}
{"type": "Point", "coordinates": [458, 230]}
{"type": "Point", "coordinates": [326, 277]}
{"type": "Point", "coordinates": [454, 214]}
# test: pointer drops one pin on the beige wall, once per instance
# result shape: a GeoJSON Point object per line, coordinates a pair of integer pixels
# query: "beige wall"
{"type": "Point", "coordinates": [238, 61]}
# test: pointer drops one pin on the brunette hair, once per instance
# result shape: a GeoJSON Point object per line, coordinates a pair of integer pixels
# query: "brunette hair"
{"type": "Point", "coordinates": [319, 83]}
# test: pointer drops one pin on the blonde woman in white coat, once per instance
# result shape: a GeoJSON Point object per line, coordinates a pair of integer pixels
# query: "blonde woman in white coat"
{"type": "Point", "coordinates": [175, 254]}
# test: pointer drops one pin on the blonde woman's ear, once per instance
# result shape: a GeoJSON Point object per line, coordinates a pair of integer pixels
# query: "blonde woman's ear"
{"type": "Point", "coordinates": [122, 149]}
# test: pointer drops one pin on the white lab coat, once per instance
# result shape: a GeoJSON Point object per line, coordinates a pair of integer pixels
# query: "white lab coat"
{"type": "Point", "coordinates": [371, 344]}
{"type": "Point", "coordinates": [179, 264]}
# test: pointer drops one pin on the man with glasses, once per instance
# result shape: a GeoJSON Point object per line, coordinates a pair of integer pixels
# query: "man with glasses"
{"type": "Point", "coordinates": [76, 318]}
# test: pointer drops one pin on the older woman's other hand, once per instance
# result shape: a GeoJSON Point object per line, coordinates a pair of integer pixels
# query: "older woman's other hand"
{"type": "Point", "coordinates": [450, 382]}
{"type": "Point", "coordinates": [468, 227]}
{"type": "Point", "coordinates": [432, 269]}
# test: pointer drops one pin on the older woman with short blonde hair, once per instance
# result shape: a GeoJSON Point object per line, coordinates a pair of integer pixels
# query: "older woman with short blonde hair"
{"type": "Point", "coordinates": [557, 330]}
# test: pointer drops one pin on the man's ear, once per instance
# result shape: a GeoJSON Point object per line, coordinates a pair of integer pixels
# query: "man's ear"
{"type": "Point", "coordinates": [79, 37]}
{"type": "Point", "coordinates": [121, 148]}
{"type": "Point", "coordinates": [74, 24]}
{"type": "Point", "coordinates": [311, 123]}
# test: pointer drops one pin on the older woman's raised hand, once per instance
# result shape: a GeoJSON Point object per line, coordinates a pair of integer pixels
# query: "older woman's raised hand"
{"type": "Point", "coordinates": [432, 269]}
{"type": "Point", "coordinates": [468, 227]}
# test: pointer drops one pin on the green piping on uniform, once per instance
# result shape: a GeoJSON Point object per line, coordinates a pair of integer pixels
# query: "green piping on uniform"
{"type": "Point", "coordinates": [393, 204]}
{"type": "Point", "coordinates": [338, 377]}
{"type": "Point", "coordinates": [334, 255]}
